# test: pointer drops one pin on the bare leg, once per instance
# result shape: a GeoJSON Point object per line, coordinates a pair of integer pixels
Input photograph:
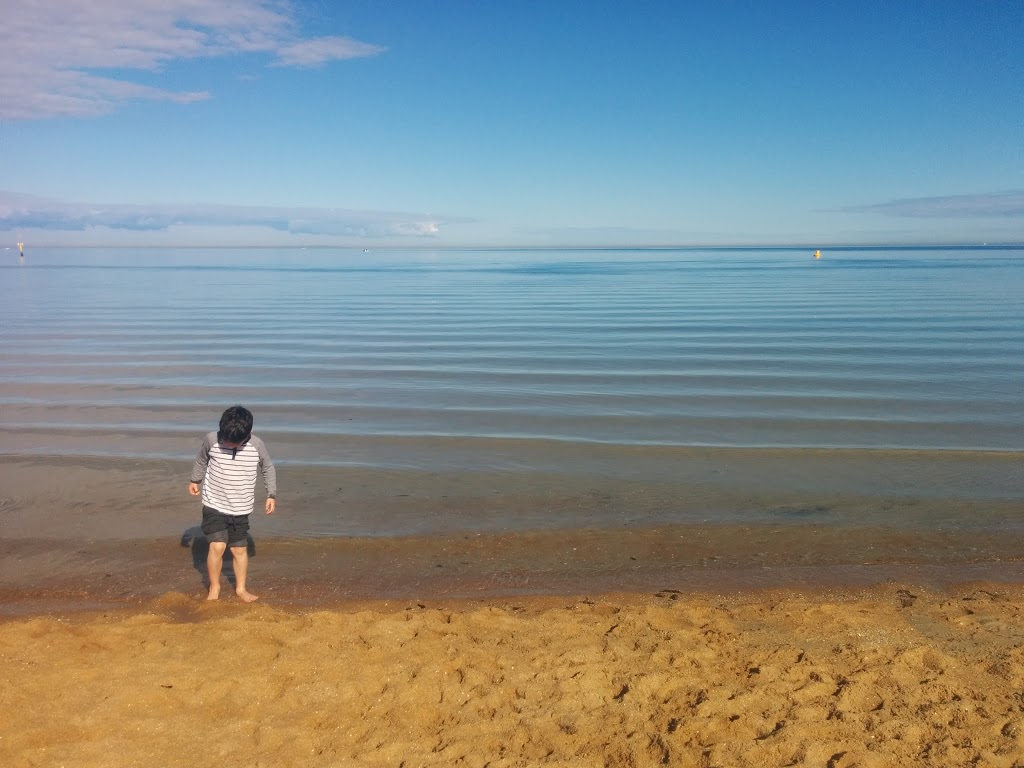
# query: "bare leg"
{"type": "Point", "coordinates": [241, 555]}
{"type": "Point", "coordinates": [214, 561]}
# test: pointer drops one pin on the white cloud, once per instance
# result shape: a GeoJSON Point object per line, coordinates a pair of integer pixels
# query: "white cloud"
{"type": "Point", "coordinates": [67, 57]}
{"type": "Point", "coordinates": [607, 233]}
{"type": "Point", "coordinates": [990, 205]}
{"type": "Point", "coordinates": [313, 53]}
{"type": "Point", "coordinates": [21, 212]}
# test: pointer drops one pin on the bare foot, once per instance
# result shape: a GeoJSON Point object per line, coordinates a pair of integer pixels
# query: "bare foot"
{"type": "Point", "coordinates": [246, 596]}
{"type": "Point", "coordinates": [214, 593]}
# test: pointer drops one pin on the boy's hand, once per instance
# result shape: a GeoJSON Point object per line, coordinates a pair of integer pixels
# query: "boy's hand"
{"type": "Point", "coordinates": [193, 489]}
{"type": "Point", "coordinates": [271, 506]}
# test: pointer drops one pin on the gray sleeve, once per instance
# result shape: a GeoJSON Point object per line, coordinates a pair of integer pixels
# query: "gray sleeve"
{"type": "Point", "coordinates": [203, 458]}
{"type": "Point", "coordinates": [266, 467]}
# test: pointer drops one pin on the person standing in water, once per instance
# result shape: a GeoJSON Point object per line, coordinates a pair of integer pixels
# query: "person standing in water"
{"type": "Point", "coordinates": [226, 467]}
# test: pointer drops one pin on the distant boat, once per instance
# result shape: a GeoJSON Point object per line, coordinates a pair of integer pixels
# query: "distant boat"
{"type": "Point", "coordinates": [817, 254]}
{"type": "Point", "coordinates": [21, 253]}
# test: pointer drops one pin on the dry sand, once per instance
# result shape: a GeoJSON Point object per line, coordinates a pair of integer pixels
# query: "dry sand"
{"type": "Point", "coordinates": [890, 676]}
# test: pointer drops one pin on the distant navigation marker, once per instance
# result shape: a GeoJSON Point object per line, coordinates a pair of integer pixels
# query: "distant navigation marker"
{"type": "Point", "coordinates": [817, 254]}
{"type": "Point", "coordinates": [21, 253]}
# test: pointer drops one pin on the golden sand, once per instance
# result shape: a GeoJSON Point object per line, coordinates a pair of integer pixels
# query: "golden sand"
{"type": "Point", "coordinates": [893, 676]}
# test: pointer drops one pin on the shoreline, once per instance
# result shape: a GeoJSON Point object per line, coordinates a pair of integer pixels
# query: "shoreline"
{"type": "Point", "coordinates": [814, 584]}
{"type": "Point", "coordinates": [115, 533]}
{"type": "Point", "coordinates": [42, 576]}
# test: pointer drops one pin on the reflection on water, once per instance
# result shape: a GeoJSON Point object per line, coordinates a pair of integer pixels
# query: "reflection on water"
{"type": "Point", "coordinates": [430, 392]}
{"type": "Point", "coordinates": [750, 348]}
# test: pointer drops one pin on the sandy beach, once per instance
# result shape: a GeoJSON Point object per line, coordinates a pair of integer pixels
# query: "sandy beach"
{"type": "Point", "coordinates": [813, 627]}
{"type": "Point", "coordinates": [890, 676]}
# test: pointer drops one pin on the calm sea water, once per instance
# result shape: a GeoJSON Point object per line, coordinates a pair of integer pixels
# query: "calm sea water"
{"type": "Point", "coordinates": [882, 348]}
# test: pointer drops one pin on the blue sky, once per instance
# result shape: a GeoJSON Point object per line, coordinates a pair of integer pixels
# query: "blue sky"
{"type": "Point", "coordinates": [428, 123]}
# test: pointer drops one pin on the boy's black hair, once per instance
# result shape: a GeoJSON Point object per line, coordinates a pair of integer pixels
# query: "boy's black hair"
{"type": "Point", "coordinates": [235, 425]}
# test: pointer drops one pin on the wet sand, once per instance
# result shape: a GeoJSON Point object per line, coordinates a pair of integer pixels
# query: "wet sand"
{"type": "Point", "coordinates": [111, 531]}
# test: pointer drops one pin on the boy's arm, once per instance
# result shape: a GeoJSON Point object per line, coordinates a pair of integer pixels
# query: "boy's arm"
{"type": "Point", "coordinates": [269, 475]}
{"type": "Point", "coordinates": [199, 467]}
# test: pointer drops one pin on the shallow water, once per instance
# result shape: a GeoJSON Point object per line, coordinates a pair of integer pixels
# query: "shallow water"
{"type": "Point", "coordinates": [753, 348]}
{"type": "Point", "coordinates": [874, 393]}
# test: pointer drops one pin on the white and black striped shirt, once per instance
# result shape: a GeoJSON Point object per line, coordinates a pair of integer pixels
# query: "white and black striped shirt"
{"type": "Point", "coordinates": [228, 475]}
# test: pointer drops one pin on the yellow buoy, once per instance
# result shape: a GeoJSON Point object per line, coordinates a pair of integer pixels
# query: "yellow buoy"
{"type": "Point", "coordinates": [817, 254]}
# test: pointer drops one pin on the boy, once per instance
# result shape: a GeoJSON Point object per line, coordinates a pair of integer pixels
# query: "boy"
{"type": "Point", "coordinates": [227, 464]}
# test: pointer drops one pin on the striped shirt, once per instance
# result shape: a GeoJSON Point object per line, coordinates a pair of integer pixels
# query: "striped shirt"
{"type": "Point", "coordinates": [228, 475]}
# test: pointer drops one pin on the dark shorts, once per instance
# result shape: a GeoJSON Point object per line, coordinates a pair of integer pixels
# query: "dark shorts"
{"type": "Point", "coordinates": [231, 529]}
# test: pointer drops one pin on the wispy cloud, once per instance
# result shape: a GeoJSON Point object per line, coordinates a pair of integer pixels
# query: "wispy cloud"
{"type": "Point", "coordinates": [991, 205]}
{"type": "Point", "coordinates": [19, 212]}
{"type": "Point", "coordinates": [611, 234]}
{"type": "Point", "coordinates": [320, 50]}
{"type": "Point", "coordinates": [75, 57]}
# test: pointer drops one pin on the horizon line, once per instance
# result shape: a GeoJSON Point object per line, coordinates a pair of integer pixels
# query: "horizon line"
{"type": "Point", "coordinates": [557, 247]}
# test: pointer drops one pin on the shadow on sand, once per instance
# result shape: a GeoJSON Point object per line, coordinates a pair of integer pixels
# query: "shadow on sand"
{"type": "Point", "coordinates": [195, 538]}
